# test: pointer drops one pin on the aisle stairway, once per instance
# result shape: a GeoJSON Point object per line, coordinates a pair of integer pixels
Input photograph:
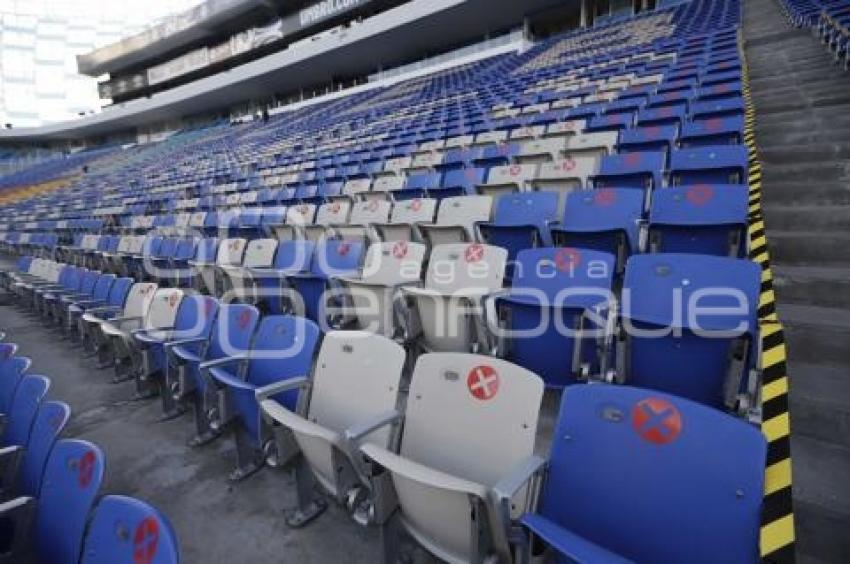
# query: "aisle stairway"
{"type": "Point", "coordinates": [803, 131]}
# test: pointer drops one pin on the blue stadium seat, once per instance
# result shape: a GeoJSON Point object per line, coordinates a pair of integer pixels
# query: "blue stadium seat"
{"type": "Point", "coordinates": [694, 487]}
{"type": "Point", "coordinates": [648, 139]}
{"type": "Point", "coordinates": [292, 258]}
{"type": "Point", "coordinates": [690, 327]}
{"type": "Point", "coordinates": [713, 131]}
{"type": "Point", "coordinates": [282, 350]}
{"type": "Point", "coordinates": [124, 529]}
{"type": "Point", "coordinates": [231, 334]}
{"type": "Point", "coordinates": [631, 170]}
{"type": "Point", "coordinates": [332, 259]}
{"type": "Point", "coordinates": [25, 476]}
{"type": "Point", "coordinates": [715, 164]}
{"type": "Point", "coordinates": [606, 220]}
{"type": "Point", "coordinates": [703, 218]}
{"type": "Point", "coordinates": [23, 410]}
{"type": "Point", "coordinates": [541, 323]}
{"type": "Point", "coordinates": [521, 221]}
{"type": "Point", "coordinates": [12, 370]}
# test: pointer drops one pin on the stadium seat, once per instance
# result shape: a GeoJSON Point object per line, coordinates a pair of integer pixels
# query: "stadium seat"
{"type": "Point", "coordinates": [353, 397]}
{"type": "Point", "coordinates": [124, 529]}
{"type": "Point", "coordinates": [17, 423]}
{"type": "Point", "coordinates": [114, 304]}
{"type": "Point", "coordinates": [92, 322]}
{"type": "Point", "coordinates": [238, 281]}
{"type": "Point", "coordinates": [406, 215]}
{"type": "Point", "coordinates": [703, 218]}
{"type": "Point", "coordinates": [469, 426]}
{"type": "Point", "coordinates": [370, 301]}
{"type": "Point", "coordinates": [72, 479]}
{"type": "Point", "coordinates": [631, 170]}
{"type": "Point", "coordinates": [282, 350]}
{"type": "Point", "coordinates": [446, 315]}
{"type": "Point", "coordinates": [230, 335]}
{"type": "Point", "coordinates": [456, 220]}
{"type": "Point", "coordinates": [588, 513]}
{"type": "Point", "coordinates": [12, 370]}
{"type": "Point", "coordinates": [547, 320]}
{"type": "Point", "coordinates": [520, 221]}
{"type": "Point", "coordinates": [689, 327]}
{"type": "Point", "coordinates": [606, 219]}
{"type": "Point", "coordinates": [714, 164]}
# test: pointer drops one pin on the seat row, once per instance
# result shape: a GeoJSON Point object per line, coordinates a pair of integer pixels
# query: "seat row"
{"type": "Point", "coordinates": [50, 486]}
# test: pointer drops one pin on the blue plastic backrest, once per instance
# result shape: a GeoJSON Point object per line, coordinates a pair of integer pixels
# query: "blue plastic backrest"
{"type": "Point", "coordinates": [185, 249]}
{"type": "Point", "coordinates": [207, 250]}
{"type": "Point", "coordinates": [528, 208]}
{"type": "Point", "coordinates": [118, 292]}
{"type": "Point", "coordinates": [695, 477]}
{"type": "Point", "coordinates": [232, 331]}
{"type": "Point", "coordinates": [102, 286]}
{"type": "Point", "coordinates": [605, 209]}
{"type": "Point", "coordinates": [126, 530]}
{"type": "Point", "coordinates": [251, 217]}
{"type": "Point", "coordinates": [614, 170]}
{"type": "Point", "coordinates": [72, 480]}
{"type": "Point", "coordinates": [659, 290]}
{"type": "Point", "coordinates": [337, 257]}
{"type": "Point", "coordinates": [701, 204]}
{"type": "Point", "coordinates": [705, 160]}
{"type": "Point", "coordinates": [567, 277]}
{"type": "Point", "coordinates": [467, 179]}
{"type": "Point", "coordinates": [69, 278]}
{"type": "Point", "coordinates": [152, 246]}
{"type": "Point", "coordinates": [195, 317]}
{"type": "Point", "coordinates": [11, 372]}
{"type": "Point", "coordinates": [274, 215]}
{"type": "Point", "coordinates": [88, 282]}
{"type": "Point", "coordinates": [640, 135]}
{"type": "Point", "coordinates": [294, 255]}
{"type": "Point", "coordinates": [28, 395]}
{"type": "Point", "coordinates": [291, 343]}
{"type": "Point", "coordinates": [167, 248]}
{"type": "Point", "coordinates": [49, 423]}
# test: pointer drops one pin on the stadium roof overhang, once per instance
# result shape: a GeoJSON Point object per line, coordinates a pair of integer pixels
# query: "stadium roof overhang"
{"type": "Point", "coordinates": [397, 35]}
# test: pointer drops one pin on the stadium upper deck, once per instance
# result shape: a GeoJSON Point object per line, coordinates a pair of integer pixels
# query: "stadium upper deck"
{"type": "Point", "coordinates": [407, 237]}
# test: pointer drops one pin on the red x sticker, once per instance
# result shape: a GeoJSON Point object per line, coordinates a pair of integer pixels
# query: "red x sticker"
{"type": "Point", "coordinates": [145, 541]}
{"type": "Point", "coordinates": [604, 197]}
{"type": "Point", "coordinates": [85, 469]}
{"type": "Point", "coordinates": [514, 170]}
{"type": "Point", "coordinates": [416, 205]}
{"type": "Point", "coordinates": [172, 300]}
{"type": "Point", "coordinates": [343, 249]}
{"type": "Point", "coordinates": [483, 382]}
{"type": "Point", "coordinates": [568, 259]}
{"type": "Point", "coordinates": [474, 253]}
{"type": "Point", "coordinates": [335, 208]}
{"type": "Point", "coordinates": [714, 124]}
{"type": "Point", "coordinates": [632, 159]}
{"type": "Point", "coordinates": [700, 194]}
{"type": "Point", "coordinates": [373, 206]}
{"type": "Point", "coordinates": [657, 421]}
{"type": "Point", "coordinates": [244, 319]}
{"type": "Point", "coordinates": [400, 249]}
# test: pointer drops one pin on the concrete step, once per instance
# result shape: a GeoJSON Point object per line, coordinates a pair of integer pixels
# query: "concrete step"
{"type": "Point", "coordinates": [824, 248]}
{"type": "Point", "coordinates": [782, 136]}
{"type": "Point", "coordinates": [812, 285]}
{"type": "Point", "coordinates": [822, 469]}
{"type": "Point", "coordinates": [803, 217]}
{"type": "Point", "coordinates": [821, 532]}
{"type": "Point", "coordinates": [810, 153]}
{"type": "Point", "coordinates": [820, 402]}
{"type": "Point", "coordinates": [834, 117]}
{"type": "Point", "coordinates": [816, 335]}
{"type": "Point", "coordinates": [808, 173]}
{"type": "Point", "coordinates": [790, 102]}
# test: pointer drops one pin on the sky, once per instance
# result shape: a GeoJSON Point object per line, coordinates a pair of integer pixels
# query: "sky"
{"type": "Point", "coordinates": [39, 41]}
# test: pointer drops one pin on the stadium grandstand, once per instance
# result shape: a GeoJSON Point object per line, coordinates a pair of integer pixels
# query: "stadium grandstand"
{"type": "Point", "coordinates": [436, 280]}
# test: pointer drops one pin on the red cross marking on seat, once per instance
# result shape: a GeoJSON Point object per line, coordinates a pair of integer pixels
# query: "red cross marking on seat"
{"type": "Point", "coordinates": [657, 421]}
{"type": "Point", "coordinates": [304, 209]}
{"type": "Point", "coordinates": [244, 319]}
{"type": "Point", "coordinates": [483, 382]}
{"type": "Point", "coordinates": [172, 300]}
{"type": "Point", "coordinates": [568, 164]}
{"type": "Point", "coordinates": [653, 131]}
{"type": "Point", "coordinates": [335, 208]}
{"type": "Point", "coordinates": [567, 259]}
{"type": "Point", "coordinates": [343, 249]}
{"type": "Point", "coordinates": [604, 197]}
{"type": "Point", "coordinates": [632, 159]}
{"type": "Point", "coordinates": [700, 194]}
{"type": "Point", "coordinates": [714, 124]}
{"type": "Point", "coordinates": [145, 541]}
{"type": "Point", "coordinates": [400, 249]}
{"type": "Point", "coordinates": [474, 253]}
{"type": "Point", "coordinates": [416, 205]}
{"type": "Point", "coordinates": [373, 206]}
{"type": "Point", "coordinates": [514, 170]}
{"type": "Point", "coordinates": [85, 469]}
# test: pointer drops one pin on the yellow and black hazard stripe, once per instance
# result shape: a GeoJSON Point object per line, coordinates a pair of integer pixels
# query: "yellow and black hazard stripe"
{"type": "Point", "coordinates": [777, 526]}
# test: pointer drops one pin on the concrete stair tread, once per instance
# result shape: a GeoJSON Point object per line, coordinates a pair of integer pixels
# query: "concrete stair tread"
{"type": "Point", "coordinates": [824, 383]}
{"type": "Point", "coordinates": [821, 469]}
{"type": "Point", "coordinates": [826, 317]}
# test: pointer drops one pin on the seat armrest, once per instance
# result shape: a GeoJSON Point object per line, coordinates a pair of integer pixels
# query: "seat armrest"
{"type": "Point", "coordinates": [10, 459]}
{"type": "Point", "coordinates": [523, 473]}
{"type": "Point", "coordinates": [290, 384]}
{"type": "Point", "coordinates": [357, 432]}
{"type": "Point", "coordinates": [206, 366]}
{"type": "Point", "coordinates": [569, 544]}
{"type": "Point", "coordinates": [298, 424]}
{"type": "Point", "coordinates": [122, 320]}
{"type": "Point", "coordinates": [184, 342]}
{"type": "Point", "coordinates": [421, 473]}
